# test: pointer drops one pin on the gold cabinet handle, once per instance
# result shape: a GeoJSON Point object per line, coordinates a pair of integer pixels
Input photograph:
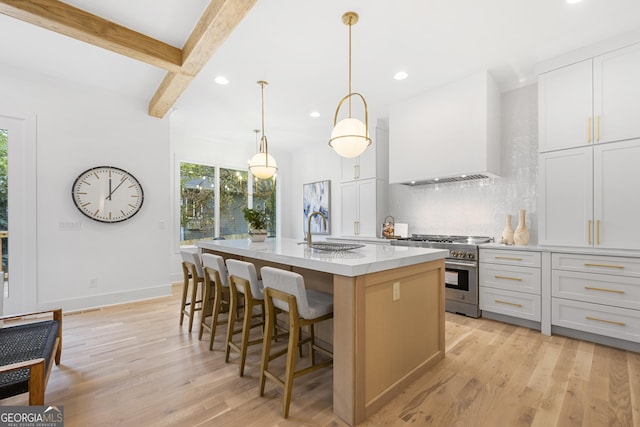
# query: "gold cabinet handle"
{"type": "Point", "coordinates": [508, 303]}
{"type": "Point", "coordinates": [612, 322]}
{"type": "Point", "coordinates": [355, 171]}
{"type": "Point", "coordinates": [509, 278]}
{"type": "Point", "coordinates": [509, 258]}
{"type": "Point", "coordinates": [592, 264]}
{"type": "Point", "coordinates": [593, 288]}
{"type": "Point", "coordinates": [597, 232]}
{"type": "Point", "coordinates": [597, 128]}
{"type": "Point", "coordinates": [589, 231]}
{"type": "Point", "coordinates": [589, 129]}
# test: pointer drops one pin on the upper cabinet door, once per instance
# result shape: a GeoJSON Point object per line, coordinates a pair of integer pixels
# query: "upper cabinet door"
{"type": "Point", "coordinates": [565, 107]}
{"type": "Point", "coordinates": [617, 94]}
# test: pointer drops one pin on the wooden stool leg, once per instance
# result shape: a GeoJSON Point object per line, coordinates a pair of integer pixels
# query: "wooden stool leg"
{"type": "Point", "coordinates": [233, 312]}
{"type": "Point", "coordinates": [266, 343]}
{"type": "Point", "coordinates": [294, 331]}
{"type": "Point", "coordinates": [246, 330]}
{"type": "Point", "coordinates": [214, 317]}
{"type": "Point", "coordinates": [185, 291]}
{"type": "Point", "coordinates": [192, 306]}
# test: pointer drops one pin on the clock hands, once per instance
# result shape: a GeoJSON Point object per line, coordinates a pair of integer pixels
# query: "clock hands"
{"type": "Point", "coordinates": [114, 190]}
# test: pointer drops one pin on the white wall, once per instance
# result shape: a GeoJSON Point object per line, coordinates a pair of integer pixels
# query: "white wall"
{"type": "Point", "coordinates": [479, 207]}
{"type": "Point", "coordinates": [78, 128]}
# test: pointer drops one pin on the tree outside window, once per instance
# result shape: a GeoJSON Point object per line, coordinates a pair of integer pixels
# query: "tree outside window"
{"type": "Point", "coordinates": [197, 209]}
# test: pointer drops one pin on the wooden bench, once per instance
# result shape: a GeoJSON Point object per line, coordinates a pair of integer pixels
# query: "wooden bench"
{"type": "Point", "coordinates": [27, 351]}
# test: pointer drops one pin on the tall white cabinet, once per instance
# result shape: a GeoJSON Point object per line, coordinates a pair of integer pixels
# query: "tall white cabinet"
{"type": "Point", "coordinates": [363, 190]}
{"type": "Point", "coordinates": [590, 148]}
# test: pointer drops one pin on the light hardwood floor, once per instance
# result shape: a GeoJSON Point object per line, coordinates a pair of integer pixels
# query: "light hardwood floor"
{"type": "Point", "coordinates": [132, 365]}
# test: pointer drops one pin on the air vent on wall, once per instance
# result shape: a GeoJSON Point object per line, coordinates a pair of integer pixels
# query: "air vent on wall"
{"type": "Point", "coordinates": [446, 180]}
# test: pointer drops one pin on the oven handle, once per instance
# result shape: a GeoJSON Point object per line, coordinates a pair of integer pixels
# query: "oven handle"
{"type": "Point", "coordinates": [460, 264]}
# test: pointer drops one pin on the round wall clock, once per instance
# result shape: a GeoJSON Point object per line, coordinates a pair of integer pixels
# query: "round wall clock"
{"type": "Point", "coordinates": [107, 194]}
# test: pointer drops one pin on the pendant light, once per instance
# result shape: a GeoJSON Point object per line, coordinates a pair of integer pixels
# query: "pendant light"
{"type": "Point", "coordinates": [263, 165]}
{"type": "Point", "coordinates": [350, 137]}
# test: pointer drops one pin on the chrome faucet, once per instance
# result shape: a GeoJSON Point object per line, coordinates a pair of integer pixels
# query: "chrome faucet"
{"type": "Point", "coordinates": [311, 215]}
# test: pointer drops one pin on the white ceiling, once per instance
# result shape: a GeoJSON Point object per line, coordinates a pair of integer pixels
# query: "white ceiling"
{"type": "Point", "coordinates": [300, 48]}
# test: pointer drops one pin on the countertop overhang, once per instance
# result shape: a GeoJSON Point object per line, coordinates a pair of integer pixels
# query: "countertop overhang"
{"type": "Point", "coordinates": [355, 262]}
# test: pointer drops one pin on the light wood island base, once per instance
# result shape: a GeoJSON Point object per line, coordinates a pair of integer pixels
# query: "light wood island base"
{"type": "Point", "coordinates": [381, 345]}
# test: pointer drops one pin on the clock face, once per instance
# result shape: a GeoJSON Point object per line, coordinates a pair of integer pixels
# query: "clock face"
{"type": "Point", "coordinates": [107, 194]}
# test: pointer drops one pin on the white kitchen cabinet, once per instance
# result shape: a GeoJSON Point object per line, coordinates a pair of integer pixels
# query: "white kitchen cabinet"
{"type": "Point", "coordinates": [587, 196]}
{"type": "Point", "coordinates": [362, 207]}
{"type": "Point", "coordinates": [596, 294]}
{"type": "Point", "coordinates": [373, 163]}
{"type": "Point", "coordinates": [565, 105]}
{"type": "Point", "coordinates": [565, 202]}
{"type": "Point", "coordinates": [510, 284]}
{"type": "Point", "coordinates": [616, 96]}
{"type": "Point", "coordinates": [590, 102]}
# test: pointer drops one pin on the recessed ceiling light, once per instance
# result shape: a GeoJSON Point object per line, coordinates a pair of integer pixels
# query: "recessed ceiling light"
{"type": "Point", "coordinates": [314, 114]}
{"type": "Point", "coordinates": [573, 1]}
{"type": "Point", "coordinates": [221, 80]}
{"type": "Point", "coordinates": [401, 75]}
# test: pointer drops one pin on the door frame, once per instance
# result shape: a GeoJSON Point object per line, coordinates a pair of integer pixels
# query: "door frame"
{"type": "Point", "coordinates": [23, 265]}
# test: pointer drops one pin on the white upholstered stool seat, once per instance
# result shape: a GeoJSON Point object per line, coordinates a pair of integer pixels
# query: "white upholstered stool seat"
{"type": "Point", "coordinates": [285, 290]}
{"type": "Point", "coordinates": [193, 278]}
{"type": "Point", "coordinates": [216, 295]}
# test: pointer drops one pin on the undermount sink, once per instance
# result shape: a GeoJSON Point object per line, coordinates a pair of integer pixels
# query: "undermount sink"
{"type": "Point", "coordinates": [334, 246]}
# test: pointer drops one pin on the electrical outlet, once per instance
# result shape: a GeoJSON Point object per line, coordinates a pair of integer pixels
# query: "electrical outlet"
{"type": "Point", "coordinates": [93, 283]}
{"type": "Point", "coordinates": [396, 291]}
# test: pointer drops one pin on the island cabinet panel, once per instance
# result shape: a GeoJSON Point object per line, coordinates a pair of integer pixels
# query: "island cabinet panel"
{"type": "Point", "coordinates": [390, 343]}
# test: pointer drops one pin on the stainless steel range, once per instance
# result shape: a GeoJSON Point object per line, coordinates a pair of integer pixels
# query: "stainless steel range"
{"type": "Point", "coordinates": [461, 268]}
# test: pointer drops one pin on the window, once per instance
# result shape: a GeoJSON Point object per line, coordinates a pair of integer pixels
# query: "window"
{"type": "Point", "coordinates": [212, 200]}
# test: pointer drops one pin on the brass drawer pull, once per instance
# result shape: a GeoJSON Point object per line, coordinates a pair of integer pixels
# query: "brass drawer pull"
{"type": "Point", "coordinates": [592, 288]}
{"type": "Point", "coordinates": [605, 321]}
{"type": "Point", "coordinates": [508, 303]}
{"type": "Point", "coordinates": [509, 278]}
{"type": "Point", "coordinates": [591, 264]}
{"type": "Point", "coordinates": [509, 258]}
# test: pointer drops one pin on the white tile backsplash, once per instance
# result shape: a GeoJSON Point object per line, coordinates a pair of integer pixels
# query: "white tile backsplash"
{"type": "Point", "coordinates": [479, 207]}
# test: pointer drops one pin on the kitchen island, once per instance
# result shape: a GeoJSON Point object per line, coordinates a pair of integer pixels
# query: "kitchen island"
{"type": "Point", "coordinates": [388, 312]}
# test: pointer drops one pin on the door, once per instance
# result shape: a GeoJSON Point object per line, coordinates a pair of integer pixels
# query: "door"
{"type": "Point", "coordinates": [565, 107]}
{"type": "Point", "coordinates": [616, 190]}
{"type": "Point", "coordinates": [566, 197]}
{"type": "Point", "coordinates": [617, 94]}
{"type": "Point", "coordinates": [21, 200]}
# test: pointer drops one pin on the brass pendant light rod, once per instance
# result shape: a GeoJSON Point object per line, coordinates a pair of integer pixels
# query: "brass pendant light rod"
{"type": "Point", "coordinates": [350, 19]}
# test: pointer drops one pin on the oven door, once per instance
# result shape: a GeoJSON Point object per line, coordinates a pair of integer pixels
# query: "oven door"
{"type": "Point", "coordinates": [461, 281]}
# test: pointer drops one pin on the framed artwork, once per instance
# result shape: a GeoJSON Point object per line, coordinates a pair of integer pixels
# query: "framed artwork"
{"type": "Point", "coordinates": [316, 197]}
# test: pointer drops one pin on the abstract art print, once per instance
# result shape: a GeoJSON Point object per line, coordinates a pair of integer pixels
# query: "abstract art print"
{"type": "Point", "coordinates": [316, 197]}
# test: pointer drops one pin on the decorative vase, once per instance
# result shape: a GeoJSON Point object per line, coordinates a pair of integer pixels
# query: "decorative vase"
{"type": "Point", "coordinates": [257, 235]}
{"type": "Point", "coordinates": [521, 235]}
{"type": "Point", "coordinates": [507, 233]}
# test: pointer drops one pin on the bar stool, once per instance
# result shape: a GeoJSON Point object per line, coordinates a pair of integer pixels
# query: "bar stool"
{"type": "Point", "coordinates": [285, 290]}
{"type": "Point", "coordinates": [192, 271]}
{"type": "Point", "coordinates": [243, 279]}
{"type": "Point", "coordinates": [216, 294]}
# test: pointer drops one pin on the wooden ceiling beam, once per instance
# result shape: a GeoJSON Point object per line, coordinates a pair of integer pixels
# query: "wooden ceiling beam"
{"type": "Point", "coordinates": [62, 18]}
{"type": "Point", "coordinates": [216, 24]}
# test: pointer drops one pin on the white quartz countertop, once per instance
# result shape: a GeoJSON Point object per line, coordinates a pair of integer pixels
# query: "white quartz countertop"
{"type": "Point", "coordinates": [355, 262]}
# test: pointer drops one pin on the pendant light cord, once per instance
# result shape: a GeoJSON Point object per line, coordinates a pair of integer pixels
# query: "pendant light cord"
{"type": "Point", "coordinates": [262, 112]}
{"type": "Point", "coordinates": [350, 25]}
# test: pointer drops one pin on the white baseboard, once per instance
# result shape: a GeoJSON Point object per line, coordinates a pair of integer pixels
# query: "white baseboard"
{"type": "Point", "coordinates": [103, 300]}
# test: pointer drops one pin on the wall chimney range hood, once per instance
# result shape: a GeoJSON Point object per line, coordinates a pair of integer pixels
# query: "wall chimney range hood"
{"type": "Point", "coordinates": [447, 134]}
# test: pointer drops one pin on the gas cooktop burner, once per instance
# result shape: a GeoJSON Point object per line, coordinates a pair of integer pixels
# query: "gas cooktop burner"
{"type": "Point", "coordinates": [472, 240]}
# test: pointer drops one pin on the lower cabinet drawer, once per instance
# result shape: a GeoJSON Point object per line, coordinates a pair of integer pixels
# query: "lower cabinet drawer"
{"type": "Point", "coordinates": [599, 319]}
{"type": "Point", "coordinates": [516, 304]}
{"type": "Point", "coordinates": [619, 291]}
{"type": "Point", "coordinates": [510, 278]}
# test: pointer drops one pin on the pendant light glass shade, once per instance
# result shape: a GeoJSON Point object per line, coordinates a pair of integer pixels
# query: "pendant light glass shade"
{"type": "Point", "coordinates": [350, 136]}
{"type": "Point", "coordinates": [262, 165]}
